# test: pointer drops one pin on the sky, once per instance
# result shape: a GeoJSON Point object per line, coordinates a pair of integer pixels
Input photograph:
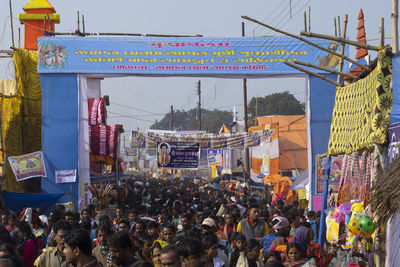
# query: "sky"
{"type": "Point", "coordinates": [136, 102]}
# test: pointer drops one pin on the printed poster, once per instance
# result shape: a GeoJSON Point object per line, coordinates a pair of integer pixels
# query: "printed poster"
{"type": "Point", "coordinates": [138, 140]}
{"type": "Point", "coordinates": [28, 166]}
{"type": "Point", "coordinates": [215, 157]}
{"type": "Point", "coordinates": [334, 176]}
{"type": "Point", "coordinates": [65, 176]}
{"type": "Point", "coordinates": [180, 155]}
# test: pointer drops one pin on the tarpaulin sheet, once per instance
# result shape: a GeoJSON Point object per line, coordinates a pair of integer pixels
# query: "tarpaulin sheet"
{"type": "Point", "coordinates": [395, 114]}
{"type": "Point", "coordinates": [60, 130]}
{"type": "Point", "coordinates": [240, 56]}
{"type": "Point", "coordinates": [18, 201]}
{"type": "Point", "coordinates": [321, 101]}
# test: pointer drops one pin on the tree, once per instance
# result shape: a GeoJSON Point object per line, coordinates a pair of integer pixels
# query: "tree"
{"type": "Point", "coordinates": [275, 104]}
{"type": "Point", "coordinates": [211, 120]}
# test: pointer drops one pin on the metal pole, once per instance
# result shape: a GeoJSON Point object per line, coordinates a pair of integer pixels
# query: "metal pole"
{"type": "Point", "coordinates": [199, 104]}
{"type": "Point", "coordinates": [395, 29]}
{"type": "Point", "coordinates": [12, 24]}
{"type": "Point", "coordinates": [246, 127]}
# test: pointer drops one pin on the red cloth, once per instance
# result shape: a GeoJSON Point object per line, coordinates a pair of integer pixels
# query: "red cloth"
{"type": "Point", "coordinates": [97, 111]}
{"type": "Point", "coordinates": [104, 140]}
{"type": "Point", "coordinates": [30, 253]}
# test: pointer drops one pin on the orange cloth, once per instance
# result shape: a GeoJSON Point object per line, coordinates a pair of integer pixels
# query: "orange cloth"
{"type": "Point", "coordinates": [281, 186]}
{"type": "Point", "coordinates": [292, 140]}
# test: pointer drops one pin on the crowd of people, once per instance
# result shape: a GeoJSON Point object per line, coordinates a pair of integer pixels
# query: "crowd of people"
{"type": "Point", "coordinates": [165, 224]}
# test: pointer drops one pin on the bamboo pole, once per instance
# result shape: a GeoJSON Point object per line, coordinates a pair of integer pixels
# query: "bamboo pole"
{"type": "Point", "coordinates": [77, 22]}
{"type": "Point", "coordinates": [334, 22]}
{"type": "Point", "coordinates": [309, 18]}
{"type": "Point", "coordinates": [339, 78]}
{"type": "Point", "coordinates": [12, 24]}
{"type": "Point", "coordinates": [325, 69]}
{"type": "Point", "coordinates": [307, 41]}
{"type": "Point", "coordinates": [340, 39]}
{"type": "Point", "coordinates": [305, 20]}
{"type": "Point", "coordinates": [395, 31]}
{"type": "Point", "coordinates": [313, 73]}
{"type": "Point", "coordinates": [19, 37]}
{"type": "Point", "coordinates": [339, 30]}
{"type": "Point", "coordinates": [381, 33]}
{"type": "Point", "coordinates": [128, 34]}
{"type": "Point", "coordinates": [83, 24]}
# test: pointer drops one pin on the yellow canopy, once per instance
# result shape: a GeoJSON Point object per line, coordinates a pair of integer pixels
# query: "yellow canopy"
{"type": "Point", "coordinates": [39, 4]}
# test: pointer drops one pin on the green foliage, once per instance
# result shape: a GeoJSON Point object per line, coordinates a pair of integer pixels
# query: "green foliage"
{"type": "Point", "coordinates": [211, 120]}
{"type": "Point", "coordinates": [275, 104]}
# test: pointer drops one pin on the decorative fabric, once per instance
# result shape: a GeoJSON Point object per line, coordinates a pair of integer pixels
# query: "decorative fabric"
{"type": "Point", "coordinates": [104, 140]}
{"type": "Point", "coordinates": [97, 111]}
{"type": "Point", "coordinates": [361, 114]}
{"type": "Point", "coordinates": [356, 178]}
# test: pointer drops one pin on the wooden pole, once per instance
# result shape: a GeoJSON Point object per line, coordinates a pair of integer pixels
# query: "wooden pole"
{"type": "Point", "coordinates": [309, 18]}
{"type": "Point", "coordinates": [381, 33]}
{"type": "Point", "coordinates": [12, 24]}
{"type": "Point", "coordinates": [339, 29]}
{"type": "Point", "coordinates": [72, 198]}
{"type": "Point", "coordinates": [325, 69]}
{"type": "Point", "coordinates": [199, 104]}
{"type": "Point", "coordinates": [339, 78]}
{"type": "Point", "coordinates": [83, 23]}
{"type": "Point", "coordinates": [77, 22]}
{"type": "Point", "coordinates": [171, 122]}
{"type": "Point", "coordinates": [19, 37]}
{"type": "Point", "coordinates": [334, 22]}
{"type": "Point", "coordinates": [395, 29]}
{"type": "Point", "coordinates": [340, 39]}
{"type": "Point", "coordinates": [308, 42]}
{"type": "Point", "coordinates": [246, 127]}
{"type": "Point", "coordinates": [305, 20]}
{"type": "Point", "coordinates": [313, 73]}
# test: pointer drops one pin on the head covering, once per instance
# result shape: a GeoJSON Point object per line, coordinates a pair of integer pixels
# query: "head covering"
{"type": "Point", "coordinates": [209, 222]}
{"type": "Point", "coordinates": [301, 234]}
{"type": "Point", "coordinates": [282, 222]}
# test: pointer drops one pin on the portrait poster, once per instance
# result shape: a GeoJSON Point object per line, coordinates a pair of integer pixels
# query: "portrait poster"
{"type": "Point", "coordinates": [138, 140]}
{"type": "Point", "coordinates": [334, 176]}
{"type": "Point", "coordinates": [215, 157]}
{"type": "Point", "coordinates": [28, 166]}
{"type": "Point", "coordinates": [178, 155]}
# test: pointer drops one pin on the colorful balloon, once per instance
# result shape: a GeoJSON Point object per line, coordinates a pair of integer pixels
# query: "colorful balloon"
{"type": "Point", "coordinates": [366, 224]}
{"type": "Point", "coordinates": [353, 226]}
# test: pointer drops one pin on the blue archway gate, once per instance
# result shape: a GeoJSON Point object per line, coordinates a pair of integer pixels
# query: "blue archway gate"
{"type": "Point", "coordinates": [65, 62]}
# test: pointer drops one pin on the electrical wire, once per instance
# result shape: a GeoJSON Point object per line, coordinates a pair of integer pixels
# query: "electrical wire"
{"type": "Point", "coordinates": [127, 116]}
{"type": "Point", "coordinates": [270, 14]}
{"type": "Point", "coordinates": [125, 106]}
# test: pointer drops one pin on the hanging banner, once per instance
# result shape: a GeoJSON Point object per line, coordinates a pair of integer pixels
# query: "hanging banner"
{"type": "Point", "coordinates": [65, 176]}
{"type": "Point", "coordinates": [215, 157]}
{"type": "Point", "coordinates": [138, 140]}
{"type": "Point", "coordinates": [180, 155]}
{"type": "Point", "coordinates": [334, 176]}
{"type": "Point", "coordinates": [28, 166]}
{"type": "Point", "coordinates": [240, 56]}
{"type": "Point", "coordinates": [221, 140]}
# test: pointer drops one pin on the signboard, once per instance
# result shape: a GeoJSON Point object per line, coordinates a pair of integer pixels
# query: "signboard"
{"type": "Point", "coordinates": [240, 56]}
{"type": "Point", "coordinates": [334, 176]}
{"type": "Point", "coordinates": [138, 140]}
{"type": "Point", "coordinates": [65, 176]}
{"type": "Point", "coordinates": [221, 140]}
{"type": "Point", "coordinates": [28, 166]}
{"type": "Point", "coordinates": [215, 157]}
{"type": "Point", "coordinates": [180, 155]}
